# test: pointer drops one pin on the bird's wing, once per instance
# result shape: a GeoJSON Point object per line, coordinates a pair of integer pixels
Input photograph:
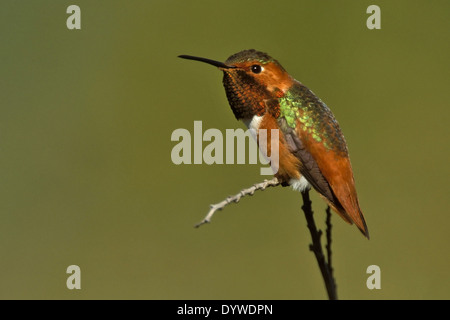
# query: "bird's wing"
{"type": "Point", "coordinates": [314, 136]}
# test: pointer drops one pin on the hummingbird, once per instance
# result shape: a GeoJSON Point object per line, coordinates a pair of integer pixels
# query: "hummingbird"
{"type": "Point", "coordinates": [312, 148]}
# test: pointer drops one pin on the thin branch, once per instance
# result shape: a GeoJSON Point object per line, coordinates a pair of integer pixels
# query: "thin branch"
{"type": "Point", "coordinates": [316, 247]}
{"type": "Point", "coordinates": [328, 245]}
{"type": "Point", "coordinates": [245, 192]}
{"type": "Point", "coordinates": [324, 263]}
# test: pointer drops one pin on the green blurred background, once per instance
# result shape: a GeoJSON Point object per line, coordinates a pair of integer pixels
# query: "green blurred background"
{"type": "Point", "coordinates": [86, 118]}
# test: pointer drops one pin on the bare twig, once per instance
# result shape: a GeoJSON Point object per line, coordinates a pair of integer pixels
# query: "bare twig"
{"type": "Point", "coordinates": [316, 247]}
{"type": "Point", "coordinates": [249, 191]}
{"type": "Point", "coordinates": [328, 245]}
{"type": "Point", "coordinates": [324, 263]}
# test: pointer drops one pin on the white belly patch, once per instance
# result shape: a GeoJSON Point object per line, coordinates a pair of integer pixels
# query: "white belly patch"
{"type": "Point", "coordinates": [254, 122]}
{"type": "Point", "coordinates": [299, 184]}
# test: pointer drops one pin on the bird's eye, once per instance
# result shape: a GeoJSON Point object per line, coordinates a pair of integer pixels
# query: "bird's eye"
{"type": "Point", "coordinates": [256, 68]}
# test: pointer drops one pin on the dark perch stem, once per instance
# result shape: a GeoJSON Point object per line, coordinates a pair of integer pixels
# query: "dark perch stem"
{"type": "Point", "coordinates": [328, 246]}
{"type": "Point", "coordinates": [316, 246]}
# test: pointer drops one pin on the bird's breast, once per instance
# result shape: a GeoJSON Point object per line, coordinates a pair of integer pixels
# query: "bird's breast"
{"type": "Point", "coordinates": [289, 164]}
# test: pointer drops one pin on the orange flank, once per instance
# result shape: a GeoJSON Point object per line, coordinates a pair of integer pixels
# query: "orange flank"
{"type": "Point", "coordinates": [337, 171]}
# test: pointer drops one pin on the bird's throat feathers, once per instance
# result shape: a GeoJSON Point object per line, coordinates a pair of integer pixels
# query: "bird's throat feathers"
{"type": "Point", "coordinates": [248, 93]}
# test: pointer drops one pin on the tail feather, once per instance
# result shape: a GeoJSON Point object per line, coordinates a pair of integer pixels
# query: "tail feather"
{"type": "Point", "coordinates": [350, 214]}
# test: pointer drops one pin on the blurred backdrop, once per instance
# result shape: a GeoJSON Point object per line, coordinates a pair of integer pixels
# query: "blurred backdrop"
{"type": "Point", "coordinates": [86, 118]}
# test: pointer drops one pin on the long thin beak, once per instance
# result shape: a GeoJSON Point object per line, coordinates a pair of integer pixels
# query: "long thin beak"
{"type": "Point", "coordinates": [208, 61]}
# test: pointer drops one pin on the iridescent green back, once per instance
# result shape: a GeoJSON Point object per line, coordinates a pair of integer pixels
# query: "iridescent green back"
{"type": "Point", "coordinates": [315, 118]}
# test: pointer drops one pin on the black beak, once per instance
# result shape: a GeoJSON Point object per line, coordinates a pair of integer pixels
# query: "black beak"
{"type": "Point", "coordinates": [208, 61]}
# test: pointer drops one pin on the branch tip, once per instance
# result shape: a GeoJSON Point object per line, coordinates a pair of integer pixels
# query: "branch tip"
{"type": "Point", "coordinates": [249, 191]}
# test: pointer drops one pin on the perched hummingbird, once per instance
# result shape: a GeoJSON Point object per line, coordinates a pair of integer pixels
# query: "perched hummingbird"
{"type": "Point", "coordinates": [312, 148]}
